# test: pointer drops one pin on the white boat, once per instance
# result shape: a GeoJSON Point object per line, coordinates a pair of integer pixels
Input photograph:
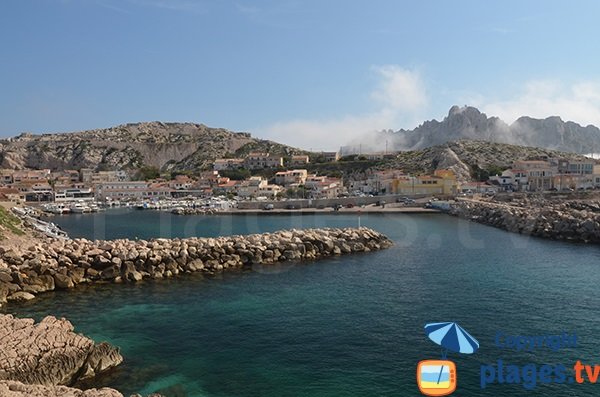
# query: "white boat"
{"type": "Point", "coordinates": [56, 208]}
{"type": "Point", "coordinates": [80, 208]}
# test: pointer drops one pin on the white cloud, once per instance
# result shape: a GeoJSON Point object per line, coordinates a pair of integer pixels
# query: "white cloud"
{"type": "Point", "coordinates": [400, 96]}
{"type": "Point", "coordinates": [579, 102]}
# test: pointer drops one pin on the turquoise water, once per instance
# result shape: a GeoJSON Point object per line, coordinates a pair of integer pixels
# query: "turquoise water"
{"type": "Point", "coordinates": [347, 326]}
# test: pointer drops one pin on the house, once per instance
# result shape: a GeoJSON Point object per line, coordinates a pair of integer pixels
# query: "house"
{"type": "Point", "coordinates": [289, 178]}
{"type": "Point", "coordinates": [250, 187]}
{"type": "Point", "coordinates": [226, 186]}
{"type": "Point", "coordinates": [10, 194]}
{"type": "Point", "coordinates": [31, 175]}
{"type": "Point", "coordinates": [323, 187]}
{"type": "Point", "coordinates": [269, 191]}
{"type": "Point", "coordinates": [256, 161]}
{"type": "Point", "coordinates": [6, 176]}
{"type": "Point", "coordinates": [540, 173]}
{"type": "Point", "coordinates": [441, 182]}
{"type": "Point", "coordinates": [580, 167]}
{"type": "Point", "coordinates": [299, 160]}
{"type": "Point", "coordinates": [181, 182]}
{"type": "Point", "coordinates": [228, 164]}
{"type": "Point", "coordinates": [66, 177]}
{"type": "Point", "coordinates": [330, 156]}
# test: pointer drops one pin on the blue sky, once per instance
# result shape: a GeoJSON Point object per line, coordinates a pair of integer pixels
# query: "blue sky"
{"type": "Point", "coordinates": [316, 74]}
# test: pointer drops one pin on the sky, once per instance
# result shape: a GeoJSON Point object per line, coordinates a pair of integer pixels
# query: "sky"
{"type": "Point", "coordinates": [314, 74]}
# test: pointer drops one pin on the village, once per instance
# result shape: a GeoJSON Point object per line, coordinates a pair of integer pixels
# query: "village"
{"type": "Point", "coordinates": [261, 177]}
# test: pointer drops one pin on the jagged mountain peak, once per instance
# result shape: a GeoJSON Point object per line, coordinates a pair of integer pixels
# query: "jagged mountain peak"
{"type": "Point", "coordinates": [468, 122]}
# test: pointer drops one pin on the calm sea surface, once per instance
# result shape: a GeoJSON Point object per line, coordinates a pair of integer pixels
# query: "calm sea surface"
{"type": "Point", "coordinates": [347, 326]}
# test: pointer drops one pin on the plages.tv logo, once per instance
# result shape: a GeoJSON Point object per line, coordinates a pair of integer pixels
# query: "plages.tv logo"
{"type": "Point", "coordinates": [438, 377]}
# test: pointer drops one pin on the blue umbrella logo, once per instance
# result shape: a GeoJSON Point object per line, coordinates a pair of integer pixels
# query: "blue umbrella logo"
{"type": "Point", "coordinates": [451, 336]}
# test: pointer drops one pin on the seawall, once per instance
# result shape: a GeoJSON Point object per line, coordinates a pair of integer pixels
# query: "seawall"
{"type": "Point", "coordinates": [577, 221]}
{"type": "Point", "coordinates": [61, 264]}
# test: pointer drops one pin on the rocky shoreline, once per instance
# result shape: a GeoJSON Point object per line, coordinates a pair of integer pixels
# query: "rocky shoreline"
{"type": "Point", "coordinates": [38, 359]}
{"type": "Point", "coordinates": [62, 264]}
{"type": "Point", "coordinates": [568, 220]}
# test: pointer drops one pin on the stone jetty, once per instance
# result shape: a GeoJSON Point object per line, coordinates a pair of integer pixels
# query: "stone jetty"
{"type": "Point", "coordinates": [61, 264]}
{"type": "Point", "coordinates": [570, 220]}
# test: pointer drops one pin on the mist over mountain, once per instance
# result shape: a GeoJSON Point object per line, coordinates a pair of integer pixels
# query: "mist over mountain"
{"type": "Point", "coordinates": [469, 123]}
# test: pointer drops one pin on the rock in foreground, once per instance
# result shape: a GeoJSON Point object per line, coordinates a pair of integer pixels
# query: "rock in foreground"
{"type": "Point", "coordinates": [18, 389]}
{"type": "Point", "coordinates": [50, 353]}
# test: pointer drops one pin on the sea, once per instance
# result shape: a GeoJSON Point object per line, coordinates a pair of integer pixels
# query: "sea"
{"type": "Point", "coordinates": [342, 326]}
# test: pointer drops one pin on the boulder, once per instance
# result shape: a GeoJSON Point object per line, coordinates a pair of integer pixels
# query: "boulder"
{"type": "Point", "coordinates": [20, 296]}
{"type": "Point", "coordinates": [63, 281]}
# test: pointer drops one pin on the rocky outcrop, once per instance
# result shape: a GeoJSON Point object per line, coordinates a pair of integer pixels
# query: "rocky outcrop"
{"type": "Point", "coordinates": [571, 220]}
{"type": "Point", "coordinates": [50, 353]}
{"type": "Point", "coordinates": [468, 158]}
{"type": "Point", "coordinates": [63, 264]}
{"type": "Point", "coordinates": [18, 389]}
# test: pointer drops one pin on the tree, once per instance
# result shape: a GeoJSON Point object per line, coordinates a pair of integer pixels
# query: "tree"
{"type": "Point", "coordinates": [236, 175]}
{"type": "Point", "coordinates": [148, 172]}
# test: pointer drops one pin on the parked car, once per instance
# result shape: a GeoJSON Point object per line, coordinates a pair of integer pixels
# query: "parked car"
{"type": "Point", "coordinates": [350, 205]}
{"type": "Point", "coordinates": [268, 207]}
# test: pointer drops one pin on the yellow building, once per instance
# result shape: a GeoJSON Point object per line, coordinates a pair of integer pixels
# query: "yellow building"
{"type": "Point", "coordinates": [441, 182]}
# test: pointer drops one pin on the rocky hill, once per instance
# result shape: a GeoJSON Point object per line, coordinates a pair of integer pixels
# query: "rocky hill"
{"type": "Point", "coordinates": [168, 146]}
{"type": "Point", "coordinates": [469, 123]}
{"type": "Point", "coordinates": [469, 159]}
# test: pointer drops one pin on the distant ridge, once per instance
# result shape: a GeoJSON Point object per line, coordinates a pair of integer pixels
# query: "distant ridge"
{"type": "Point", "coordinates": [168, 146]}
{"type": "Point", "coordinates": [469, 123]}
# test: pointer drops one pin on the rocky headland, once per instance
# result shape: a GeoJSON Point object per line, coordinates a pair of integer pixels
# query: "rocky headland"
{"type": "Point", "coordinates": [576, 220]}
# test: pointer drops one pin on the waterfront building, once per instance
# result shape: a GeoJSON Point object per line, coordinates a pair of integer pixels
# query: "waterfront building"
{"type": "Point", "coordinates": [131, 190]}
{"type": "Point", "coordinates": [292, 177]}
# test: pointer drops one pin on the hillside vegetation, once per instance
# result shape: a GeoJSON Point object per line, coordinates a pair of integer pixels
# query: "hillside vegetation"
{"type": "Point", "coordinates": [9, 223]}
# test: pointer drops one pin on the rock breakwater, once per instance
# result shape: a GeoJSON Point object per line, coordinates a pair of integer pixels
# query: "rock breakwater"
{"type": "Point", "coordinates": [63, 264]}
{"type": "Point", "coordinates": [577, 221]}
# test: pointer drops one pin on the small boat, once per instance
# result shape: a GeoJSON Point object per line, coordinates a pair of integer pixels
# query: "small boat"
{"type": "Point", "coordinates": [80, 208]}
